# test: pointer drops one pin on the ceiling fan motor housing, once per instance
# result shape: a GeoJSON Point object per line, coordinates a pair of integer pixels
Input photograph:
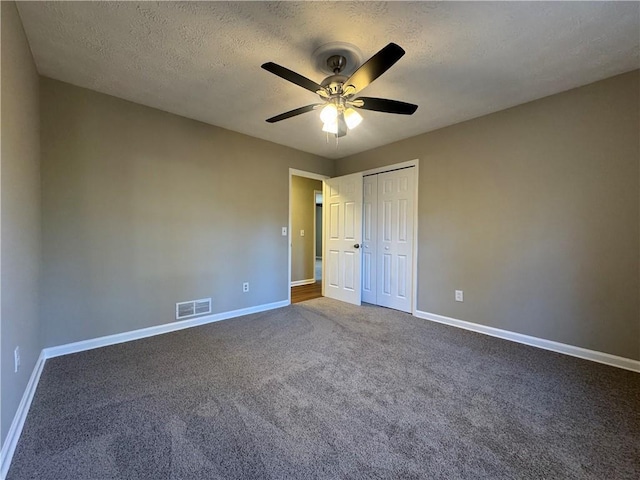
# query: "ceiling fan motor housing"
{"type": "Point", "coordinates": [334, 84]}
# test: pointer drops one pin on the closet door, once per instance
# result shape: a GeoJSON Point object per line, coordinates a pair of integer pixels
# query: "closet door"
{"type": "Point", "coordinates": [342, 233]}
{"type": "Point", "coordinates": [395, 239]}
{"type": "Point", "coordinates": [369, 238]}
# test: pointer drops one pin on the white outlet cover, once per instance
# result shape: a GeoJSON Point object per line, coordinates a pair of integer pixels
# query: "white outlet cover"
{"type": "Point", "coordinates": [459, 296]}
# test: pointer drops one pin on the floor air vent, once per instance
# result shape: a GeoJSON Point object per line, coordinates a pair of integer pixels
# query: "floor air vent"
{"type": "Point", "coordinates": [193, 308]}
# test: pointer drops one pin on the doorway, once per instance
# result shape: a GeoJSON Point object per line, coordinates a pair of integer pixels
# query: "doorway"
{"type": "Point", "coordinates": [305, 250]}
{"type": "Point", "coordinates": [318, 200]}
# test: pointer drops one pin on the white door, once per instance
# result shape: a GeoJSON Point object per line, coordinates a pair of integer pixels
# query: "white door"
{"type": "Point", "coordinates": [342, 232]}
{"type": "Point", "coordinates": [395, 239]}
{"type": "Point", "coordinates": [369, 238]}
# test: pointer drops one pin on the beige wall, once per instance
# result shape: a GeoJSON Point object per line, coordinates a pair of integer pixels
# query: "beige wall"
{"type": "Point", "coordinates": [303, 206]}
{"type": "Point", "coordinates": [19, 213]}
{"type": "Point", "coordinates": [534, 213]}
{"type": "Point", "coordinates": [143, 209]}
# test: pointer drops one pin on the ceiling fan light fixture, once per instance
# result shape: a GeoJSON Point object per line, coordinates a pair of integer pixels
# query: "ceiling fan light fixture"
{"type": "Point", "coordinates": [329, 113]}
{"type": "Point", "coordinates": [352, 118]}
{"type": "Point", "coordinates": [330, 127]}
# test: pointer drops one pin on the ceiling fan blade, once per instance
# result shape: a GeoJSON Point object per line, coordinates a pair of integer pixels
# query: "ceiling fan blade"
{"type": "Point", "coordinates": [292, 113]}
{"type": "Point", "coordinates": [386, 105]}
{"type": "Point", "coordinates": [374, 67]}
{"type": "Point", "coordinates": [292, 76]}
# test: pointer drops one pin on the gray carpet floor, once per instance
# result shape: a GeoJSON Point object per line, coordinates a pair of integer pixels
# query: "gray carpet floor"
{"type": "Point", "coordinates": [325, 390]}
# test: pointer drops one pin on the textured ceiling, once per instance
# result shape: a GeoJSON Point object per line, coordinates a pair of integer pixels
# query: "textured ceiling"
{"type": "Point", "coordinates": [202, 60]}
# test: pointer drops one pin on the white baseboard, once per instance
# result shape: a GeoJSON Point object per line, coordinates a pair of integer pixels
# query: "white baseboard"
{"type": "Point", "coordinates": [10, 442]}
{"type": "Point", "coordinates": [299, 283]}
{"type": "Point", "coordinates": [9, 445]}
{"type": "Point", "coordinates": [593, 355]}
{"type": "Point", "coordinates": [92, 343]}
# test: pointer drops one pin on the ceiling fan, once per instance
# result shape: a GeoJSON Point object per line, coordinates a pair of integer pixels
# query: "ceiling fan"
{"type": "Point", "coordinates": [339, 93]}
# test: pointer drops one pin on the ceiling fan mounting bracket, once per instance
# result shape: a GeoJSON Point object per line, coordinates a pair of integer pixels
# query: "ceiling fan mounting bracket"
{"type": "Point", "coordinates": [325, 57]}
{"type": "Point", "coordinates": [336, 63]}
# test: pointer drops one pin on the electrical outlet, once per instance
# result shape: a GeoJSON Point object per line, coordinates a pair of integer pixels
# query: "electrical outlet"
{"type": "Point", "coordinates": [245, 287]}
{"type": "Point", "coordinates": [16, 359]}
{"type": "Point", "coordinates": [459, 296]}
{"type": "Point", "coordinates": [284, 231]}
{"type": "Point", "coordinates": [302, 233]}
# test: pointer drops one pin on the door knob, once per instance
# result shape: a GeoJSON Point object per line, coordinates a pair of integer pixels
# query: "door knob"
{"type": "Point", "coordinates": [357, 245]}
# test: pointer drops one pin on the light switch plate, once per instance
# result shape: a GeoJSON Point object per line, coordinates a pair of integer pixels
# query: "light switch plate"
{"type": "Point", "coordinates": [16, 359]}
{"type": "Point", "coordinates": [284, 231]}
{"type": "Point", "coordinates": [302, 233]}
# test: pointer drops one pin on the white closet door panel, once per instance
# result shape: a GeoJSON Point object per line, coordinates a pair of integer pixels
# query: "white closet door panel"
{"type": "Point", "coordinates": [343, 216]}
{"type": "Point", "coordinates": [369, 238]}
{"type": "Point", "coordinates": [395, 239]}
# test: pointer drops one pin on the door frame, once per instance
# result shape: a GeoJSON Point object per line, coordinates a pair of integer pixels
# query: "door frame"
{"type": "Point", "coordinates": [398, 166]}
{"type": "Point", "coordinates": [315, 227]}
{"type": "Point", "coordinates": [305, 174]}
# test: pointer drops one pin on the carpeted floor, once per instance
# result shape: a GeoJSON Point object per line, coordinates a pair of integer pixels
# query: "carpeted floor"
{"type": "Point", "coordinates": [325, 390]}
